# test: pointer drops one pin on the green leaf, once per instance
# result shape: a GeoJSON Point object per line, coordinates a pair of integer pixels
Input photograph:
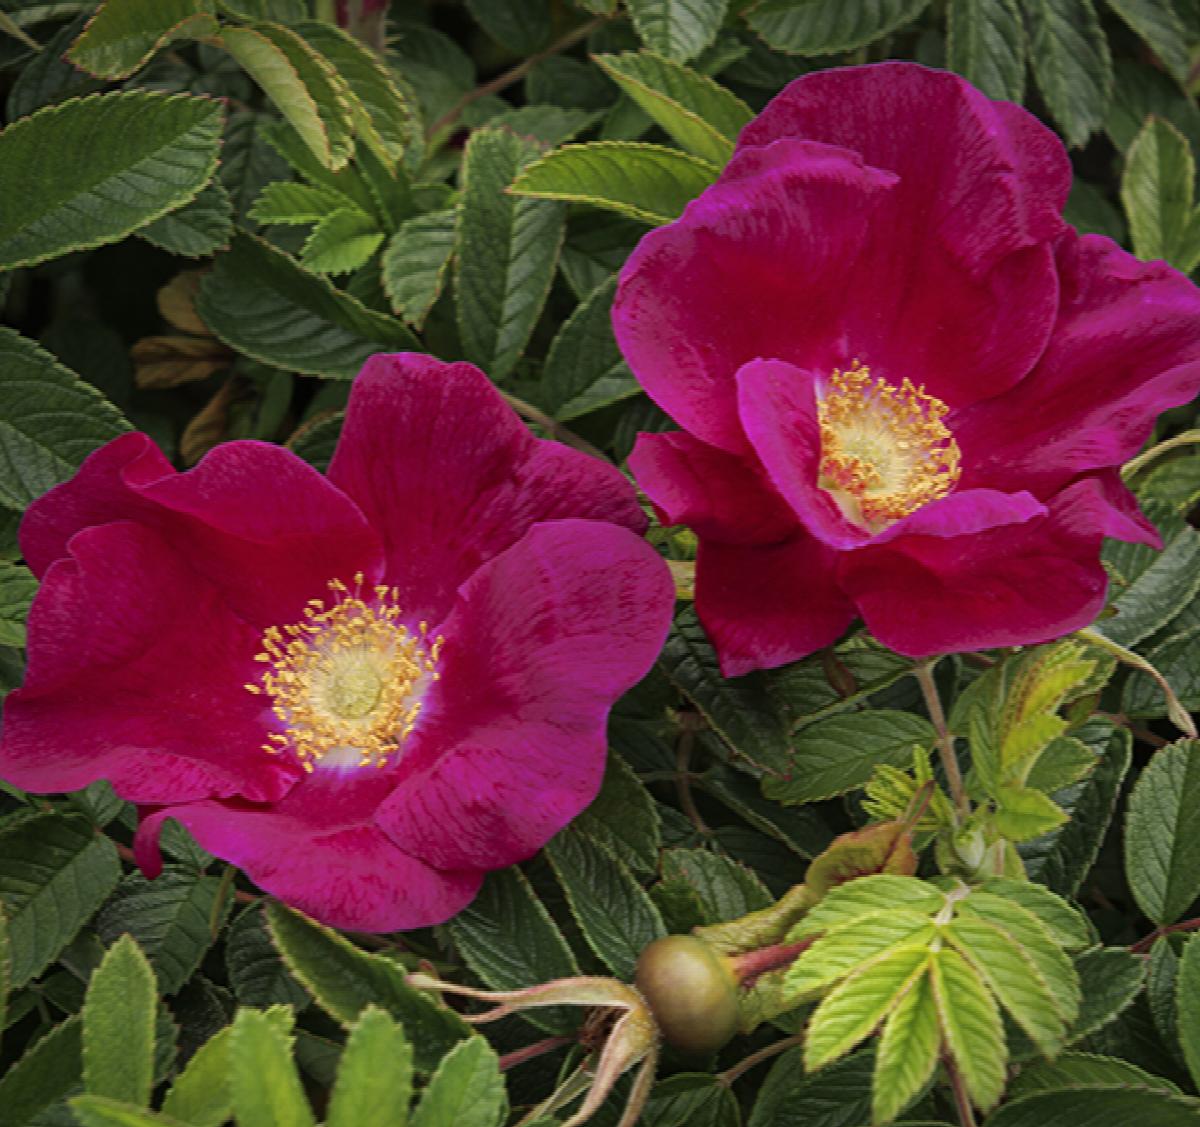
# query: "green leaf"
{"type": "Point", "coordinates": [647, 182]}
{"type": "Point", "coordinates": [679, 29]}
{"type": "Point", "coordinates": [99, 1111]}
{"type": "Point", "coordinates": [835, 954]}
{"type": "Point", "coordinates": [383, 116]}
{"type": "Point", "coordinates": [341, 242]}
{"type": "Point", "coordinates": [823, 27]}
{"type": "Point", "coordinates": [200, 1095]}
{"type": "Point", "coordinates": [17, 588]}
{"type": "Point", "coordinates": [54, 873]}
{"type": "Point", "coordinates": [263, 303]}
{"type": "Point", "coordinates": [908, 1052]}
{"type": "Point", "coordinates": [1110, 978]}
{"type": "Point", "coordinates": [1083, 1070]}
{"type": "Point", "coordinates": [1098, 1107]}
{"type": "Point", "coordinates": [1066, 925]}
{"type": "Point", "coordinates": [523, 26]}
{"type": "Point", "coordinates": [1012, 977]}
{"type": "Point", "coordinates": [256, 972]}
{"type": "Point", "coordinates": [374, 1081]}
{"type": "Point", "coordinates": [286, 201]}
{"type": "Point", "coordinates": [616, 916]}
{"type": "Point", "coordinates": [1157, 191]}
{"type": "Point", "coordinates": [852, 1010]}
{"type": "Point", "coordinates": [1157, 22]}
{"type": "Point", "coordinates": [691, 1100]}
{"type": "Point", "coordinates": [304, 87]}
{"type": "Point", "coordinates": [584, 368]}
{"type": "Point", "coordinates": [971, 1026]}
{"type": "Point", "coordinates": [345, 980]}
{"type": "Point", "coordinates": [839, 753]}
{"type": "Point", "coordinates": [506, 936]}
{"type": "Point", "coordinates": [197, 229]}
{"type": "Point", "coordinates": [248, 161]}
{"type": "Point", "coordinates": [507, 249]}
{"type": "Point", "coordinates": [1174, 658]}
{"type": "Point", "coordinates": [1187, 1000]}
{"type": "Point", "coordinates": [1023, 813]}
{"type": "Point", "coordinates": [624, 817]}
{"type": "Point", "coordinates": [118, 1026]}
{"type": "Point", "coordinates": [415, 262]}
{"type": "Point", "coordinates": [49, 1070]}
{"type": "Point", "coordinates": [174, 918]}
{"type": "Point", "coordinates": [837, 1096]}
{"type": "Point", "coordinates": [739, 708]}
{"type": "Point", "coordinates": [985, 43]}
{"type": "Point", "coordinates": [125, 34]}
{"type": "Point", "coordinates": [5, 970]}
{"type": "Point", "coordinates": [1072, 64]}
{"type": "Point", "coordinates": [701, 116]}
{"type": "Point", "coordinates": [92, 170]}
{"type": "Point", "coordinates": [1162, 977]}
{"type": "Point", "coordinates": [467, 1090]}
{"type": "Point", "coordinates": [1162, 833]}
{"type": "Point", "coordinates": [855, 899]}
{"type": "Point", "coordinates": [262, 1076]}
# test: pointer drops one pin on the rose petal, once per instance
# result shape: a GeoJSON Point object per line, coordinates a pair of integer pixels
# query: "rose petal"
{"type": "Point", "coordinates": [541, 642]}
{"type": "Point", "coordinates": [450, 476]}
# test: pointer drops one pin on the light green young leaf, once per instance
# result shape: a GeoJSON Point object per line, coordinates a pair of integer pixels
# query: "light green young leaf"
{"type": "Point", "coordinates": [1012, 977]}
{"type": "Point", "coordinates": [100, 1111]}
{"type": "Point", "coordinates": [836, 954]}
{"type": "Point", "coordinates": [263, 1080]}
{"type": "Point", "coordinates": [123, 35]}
{"type": "Point", "coordinates": [1157, 22]}
{"type": "Point", "coordinates": [118, 1026]}
{"type": "Point", "coordinates": [342, 242]}
{"type": "Point", "coordinates": [1157, 191]}
{"type": "Point", "coordinates": [1072, 64]}
{"type": "Point", "coordinates": [285, 201]}
{"type": "Point", "coordinates": [616, 916]}
{"type": "Point", "coordinates": [467, 1090]}
{"type": "Point", "coordinates": [971, 1026]}
{"type": "Point", "coordinates": [506, 252]}
{"type": "Point", "coordinates": [415, 263]}
{"type": "Point", "coordinates": [17, 588]}
{"type": "Point", "coordinates": [197, 229]}
{"type": "Point", "coordinates": [1162, 833]}
{"type": "Point", "coordinates": [703, 117]}
{"type": "Point", "coordinates": [852, 1010]}
{"type": "Point", "coordinates": [54, 873]}
{"type": "Point", "coordinates": [374, 1080]}
{"type": "Point", "coordinates": [584, 368]}
{"type": "Point", "coordinates": [907, 1054]}
{"type": "Point", "coordinates": [344, 981]}
{"type": "Point", "coordinates": [263, 303]}
{"type": "Point", "coordinates": [647, 182]}
{"type": "Point", "coordinates": [1187, 1001]}
{"type": "Point", "coordinates": [1023, 813]}
{"type": "Point", "coordinates": [985, 43]}
{"type": "Point", "coordinates": [824, 27]}
{"type": "Point", "coordinates": [841, 752]}
{"type": "Point", "coordinates": [92, 170]}
{"type": "Point", "coordinates": [679, 29]}
{"type": "Point", "coordinates": [857, 898]}
{"type": "Point", "coordinates": [1066, 925]}
{"type": "Point", "coordinates": [200, 1095]}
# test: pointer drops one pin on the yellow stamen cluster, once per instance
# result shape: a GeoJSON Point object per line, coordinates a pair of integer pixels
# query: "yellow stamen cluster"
{"type": "Point", "coordinates": [348, 680]}
{"type": "Point", "coordinates": [885, 451]}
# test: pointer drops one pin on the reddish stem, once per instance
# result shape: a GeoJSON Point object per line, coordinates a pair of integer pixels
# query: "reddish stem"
{"type": "Point", "coordinates": [754, 964]}
{"type": "Point", "coordinates": [1144, 945]}
{"type": "Point", "coordinates": [520, 1056]}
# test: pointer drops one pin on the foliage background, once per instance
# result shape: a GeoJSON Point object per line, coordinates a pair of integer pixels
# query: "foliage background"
{"type": "Point", "coordinates": [290, 203]}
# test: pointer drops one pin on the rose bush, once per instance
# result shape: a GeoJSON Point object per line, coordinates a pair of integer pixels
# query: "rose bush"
{"type": "Point", "coordinates": [905, 383]}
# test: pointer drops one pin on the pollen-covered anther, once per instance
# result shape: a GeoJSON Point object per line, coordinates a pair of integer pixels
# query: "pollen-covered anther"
{"type": "Point", "coordinates": [885, 451]}
{"type": "Point", "coordinates": [347, 682]}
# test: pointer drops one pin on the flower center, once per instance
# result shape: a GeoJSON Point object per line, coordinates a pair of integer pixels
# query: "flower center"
{"type": "Point", "coordinates": [348, 681]}
{"type": "Point", "coordinates": [885, 451]}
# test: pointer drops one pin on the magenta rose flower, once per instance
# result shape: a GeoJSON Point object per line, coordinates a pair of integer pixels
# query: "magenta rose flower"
{"type": "Point", "coordinates": [364, 689]}
{"type": "Point", "coordinates": [904, 382]}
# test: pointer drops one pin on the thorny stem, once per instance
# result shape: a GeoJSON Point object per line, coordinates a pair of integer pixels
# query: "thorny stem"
{"type": "Point", "coordinates": [962, 1101]}
{"type": "Point", "coordinates": [754, 964]}
{"type": "Point", "coordinates": [743, 1066]}
{"type": "Point", "coordinates": [945, 741]}
{"type": "Point", "coordinates": [683, 763]}
{"type": "Point", "coordinates": [551, 426]}
{"type": "Point", "coordinates": [1143, 945]}
{"type": "Point", "coordinates": [505, 80]}
{"type": "Point", "coordinates": [537, 1049]}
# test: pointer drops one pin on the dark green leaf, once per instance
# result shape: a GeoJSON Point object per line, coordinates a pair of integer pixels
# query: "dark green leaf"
{"type": "Point", "coordinates": [837, 1096]}
{"type": "Point", "coordinates": [1098, 1107]}
{"type": "Point", "coordinates": [725, 889]}
{"type": "Point", "coordinates": [54, 873]}
{"type": "Point", "coordinates": [1072, 64]}
{"type": "Point", "coordinates": [822, 27]}
{"type": "Point", "coordinates": [124, 34]}
{"type": "Point", "coordinates": [523, 26]}
{"type": "Point", "coordinates": [1187, 999]}
{"type": "Point", "coordinates": [48, 1071]}
{"type": "Point", "coordinates": [197, 229]}
{"type": "Point", "coordinates": [985, 43]}
{"type": "Point", "coordinates": [1110, 978]}
{"type": "Point", "coordinates": [1080, 1070]}
{"type": "Point", "coordinates": [342, 242]}
{"type": "Point", "coordinates": [415, 262]}
{"type": "Point", "coordinates": [679, 29]}
{"type": "Point", "coordinates": [1157, 22]}
{"type": "Point", "coordinates": [256, 972]}
{"type": "Point", "coordinates": [17, 588]}
{"type": "Point", "coordinates": [99, 1111]}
